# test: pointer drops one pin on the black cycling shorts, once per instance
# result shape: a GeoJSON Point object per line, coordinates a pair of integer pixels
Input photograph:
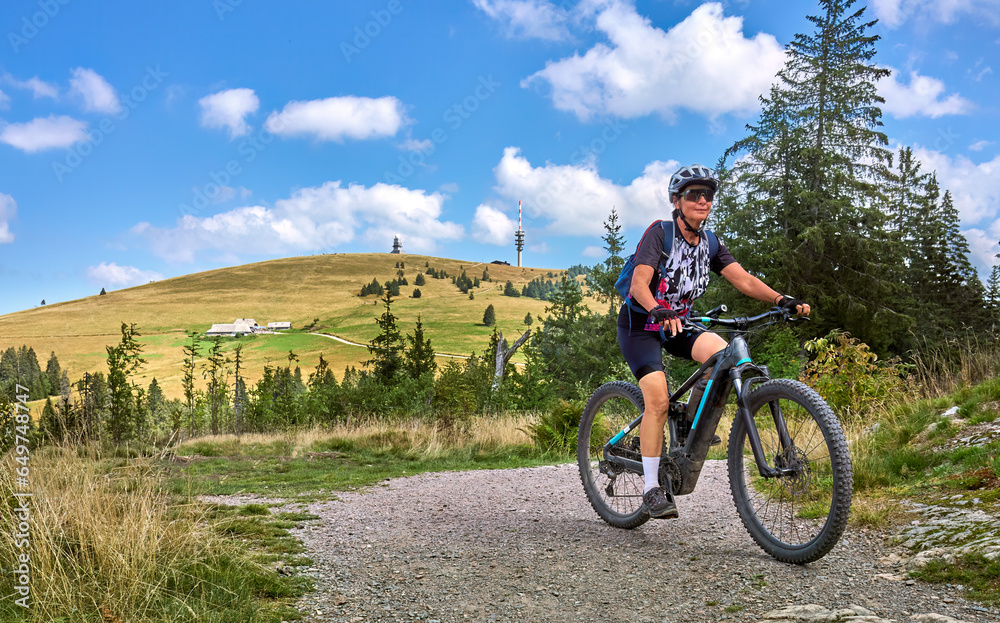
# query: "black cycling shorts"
{"type": "Point", "coordinates": [643, 350]}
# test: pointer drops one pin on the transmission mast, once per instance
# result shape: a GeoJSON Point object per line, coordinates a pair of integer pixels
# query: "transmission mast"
{"type": "Point", "coordinates": [519, 235]}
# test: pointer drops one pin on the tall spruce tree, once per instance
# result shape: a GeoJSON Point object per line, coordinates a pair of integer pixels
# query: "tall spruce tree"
{"type": "Point", "coordinates": [809, 217]}
{"type": "Point", "coordinates": [386, 348]}
{"type": "Point", "coordinates": [601, 278]}
{"type": "Point", "coordinates": [419, 355]}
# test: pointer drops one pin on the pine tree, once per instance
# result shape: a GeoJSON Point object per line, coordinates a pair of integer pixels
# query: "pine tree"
{"type": "Point", "coordinates": [50, 425]}
{"type": "Point", "coordinates": [53, 373]}
{"type": "Point", "coordinates": [490, 316]}
{"type": "Point", "coordinates": [993, 298]}
{"type": "Point", "coordinates": [419, 355]}
{"type": "Point", "coordinates": [810, 220]}
{"type": "Point", "coordinates": [386, 347]}
{"type": "Point", "coordinates": [126, 418]}
{"type": "Point", "coordinates": [528, 319]}
{"type": "Point", "coordinates": [419, 281]}
{"type": "Point", "coordinates": [416, 293]}
{"type": "Point", "coordinates": [601, 278]}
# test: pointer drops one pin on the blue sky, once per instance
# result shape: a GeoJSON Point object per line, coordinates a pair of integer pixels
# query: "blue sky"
{"type": "Point", "coordinates": [141, 141]}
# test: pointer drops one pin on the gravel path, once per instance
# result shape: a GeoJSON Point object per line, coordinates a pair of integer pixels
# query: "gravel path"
{"type": "Point", "coordinates": [525, 545]}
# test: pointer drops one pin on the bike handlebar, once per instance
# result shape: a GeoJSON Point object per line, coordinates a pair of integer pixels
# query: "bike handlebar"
{"type": "Point", "coordinates": [704, 323]}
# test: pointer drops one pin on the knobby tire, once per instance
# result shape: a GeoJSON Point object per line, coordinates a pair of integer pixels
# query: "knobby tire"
{"type": "Point", "coordinates": [796, 519]}
{"type": "Point", "coordinates": [616, 498]}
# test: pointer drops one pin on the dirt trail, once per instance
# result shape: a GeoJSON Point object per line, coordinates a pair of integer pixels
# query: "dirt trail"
{"type": "Point", "coordinates": [524, 545]}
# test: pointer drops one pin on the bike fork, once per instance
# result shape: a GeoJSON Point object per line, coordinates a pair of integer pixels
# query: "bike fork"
{"type": "Point", "coordinates": [742, 400]}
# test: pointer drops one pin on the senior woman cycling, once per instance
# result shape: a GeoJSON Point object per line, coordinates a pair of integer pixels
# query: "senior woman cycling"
{"type": "Point", "coordinates": [667, 279]}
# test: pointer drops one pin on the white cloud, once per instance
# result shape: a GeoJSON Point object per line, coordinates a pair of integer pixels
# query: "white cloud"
{"type": "Point", "coordinates": [337, 118]}
{"type": "Point", "coordinates": [922, 97]}
{"type": "Point", "coordinates": [982, 73]}
{"type": "Point", "coordinates": [533, 19]}
{"type": "Point", "coordinates": [412, 144]}
{"type": "Point", "coordinates": [312, 219]}
{"type": "Point", "coordinates": [492, 226]}
{"type": "Point", "coordinates": [576, 200]}
{"type": "Point", "coordinates": [112, 274]}
{"type": "Point", "coordinates": [893, 13]}
{"type": "Point", "coordinates": [4, 101]}
{"type": "Point", "coordinates": [8, 210]}
{"type": "Point", "coordinates": [593, 251]}
{"type": "Point", "coordinates": [94, 90]}
{"type": "Point", "coordinates": [39, 88]}
{"type": "Point", "coordinates": [228, 109]}
{"type": "Point", "coordinates": [647, 70]}
{"type": "Point", "coordinates": [983, 247]}
{"type": "Point", "coordinates": [48, 133]}
{"type": "Point", "coordinates": [981, 145]}
{"type": "Point", "coordinates": [975, 187]}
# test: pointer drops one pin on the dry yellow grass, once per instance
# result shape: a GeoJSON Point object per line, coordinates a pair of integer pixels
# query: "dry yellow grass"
{"type": "Point", "coordinates": [296, 289]}
{"type": "Point", "coordinates": [424, 437]}
{"type": "Point", "coordinates": [98, 541]}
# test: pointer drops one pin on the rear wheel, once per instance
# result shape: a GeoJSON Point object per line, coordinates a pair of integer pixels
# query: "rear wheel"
{"type": "Point", "coordinates": [799, 517]}
{"type": "Point", "coordinates": [616, 494]}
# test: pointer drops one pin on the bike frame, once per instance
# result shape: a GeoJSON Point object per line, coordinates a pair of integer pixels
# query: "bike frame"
{"type": "Point", "coordinates": [727, 369]}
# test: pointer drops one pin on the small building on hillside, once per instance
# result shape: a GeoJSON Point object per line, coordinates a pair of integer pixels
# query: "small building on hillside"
{"type": "Point", "coordinates": [242, 326]}
{"type": "Point", "coordinates": [397, 246]}
{"type": "Point", "coordinates": [279, 326]}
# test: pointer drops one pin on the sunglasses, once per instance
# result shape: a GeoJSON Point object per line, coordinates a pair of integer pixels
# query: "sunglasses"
{"type": "Point", "coordinates": [695, 195]}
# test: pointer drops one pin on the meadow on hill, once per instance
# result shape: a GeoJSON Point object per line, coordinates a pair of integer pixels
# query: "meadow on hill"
{"type": "Point", "coordinates": [319, 292]}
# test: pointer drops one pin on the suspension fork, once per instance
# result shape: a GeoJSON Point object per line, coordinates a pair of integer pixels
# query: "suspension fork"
{"type": "Point", "coordinates": [743, 408]}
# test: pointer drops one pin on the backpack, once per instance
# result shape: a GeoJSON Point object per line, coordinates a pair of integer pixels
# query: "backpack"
{"type": "Point", "coordinates": [624, 282]}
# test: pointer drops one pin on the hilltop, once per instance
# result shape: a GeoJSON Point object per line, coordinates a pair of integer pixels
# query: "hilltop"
{"type": "Point", "coordinates": [317, 294]}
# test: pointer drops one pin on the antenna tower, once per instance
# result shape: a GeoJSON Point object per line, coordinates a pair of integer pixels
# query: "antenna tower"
{"type": "Point", "coordinates": [519, 235]}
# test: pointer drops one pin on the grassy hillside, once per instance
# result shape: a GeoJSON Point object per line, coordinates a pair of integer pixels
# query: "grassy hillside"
{"type": "Point", "coordinates": [299, 290]}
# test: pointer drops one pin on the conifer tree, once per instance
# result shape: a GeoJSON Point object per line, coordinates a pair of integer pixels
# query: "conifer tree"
{"type": "Point", "coordinates": [419, 281]}
{"type": "Point", "coordinates": [490, 316]}
{"type": "Point", "coordinates": [810, 220]}
{"type": "Point", "coordinates": [419, 355]}
{"type": "Point", "coordinates": [126, 418]}
{"type": "Point", "coordinates": [386, 348]}
{"type": "Point", "coordinates": [601, 278]}
{"type": "Point", "coordinates": [53, 373]}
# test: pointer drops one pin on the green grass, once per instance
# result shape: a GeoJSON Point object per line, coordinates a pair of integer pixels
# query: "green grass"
{"type": "Point", "coordinates": [980, 576]}
{"type": "Point", "coordinates": [339, 465]}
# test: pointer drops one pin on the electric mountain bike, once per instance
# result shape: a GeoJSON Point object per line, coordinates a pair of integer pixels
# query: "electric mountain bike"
{"type": "Point", "coordinates": [788, 461]}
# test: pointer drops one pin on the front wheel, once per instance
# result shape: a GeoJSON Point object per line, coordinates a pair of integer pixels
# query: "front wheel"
{"type": "Point", "coordinates": [616, 494]}
{"type": "Point", "coordinates": [798, 517]}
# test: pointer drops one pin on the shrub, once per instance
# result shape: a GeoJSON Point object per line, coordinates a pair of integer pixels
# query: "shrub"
{"type": "Point", "coordinates": [848, 375]}
{"type": "Point", "coordinates": [556, 430]}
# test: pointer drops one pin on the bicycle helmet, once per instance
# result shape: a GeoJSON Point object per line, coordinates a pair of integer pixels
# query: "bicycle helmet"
{"type": "Point", "coordinates": [689, 175]}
